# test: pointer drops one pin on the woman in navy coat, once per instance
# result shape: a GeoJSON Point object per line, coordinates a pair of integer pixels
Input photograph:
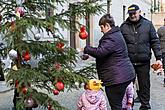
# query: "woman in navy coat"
{"type": "Point", "coordinates": [112, 62]}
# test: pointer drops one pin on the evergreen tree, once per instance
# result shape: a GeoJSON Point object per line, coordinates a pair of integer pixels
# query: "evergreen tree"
{"type": "Point", "coordinates": [56, 68]}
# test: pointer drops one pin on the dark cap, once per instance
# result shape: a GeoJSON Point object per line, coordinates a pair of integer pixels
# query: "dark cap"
{"type": "Point", "coordinates": [133, 8]}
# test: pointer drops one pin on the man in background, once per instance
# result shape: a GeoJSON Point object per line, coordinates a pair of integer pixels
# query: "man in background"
{"type": "Point", "coordinates": [161, 34]}
{"type": "Point", "coordinates": [140, 36]}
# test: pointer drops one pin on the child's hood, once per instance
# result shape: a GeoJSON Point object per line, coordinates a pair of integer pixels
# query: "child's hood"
{"type": "Point", "coordinates": [93, 96]}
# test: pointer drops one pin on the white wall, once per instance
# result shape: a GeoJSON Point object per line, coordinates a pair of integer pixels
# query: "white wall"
{"type": "Point", "coordinates": [116, 9]}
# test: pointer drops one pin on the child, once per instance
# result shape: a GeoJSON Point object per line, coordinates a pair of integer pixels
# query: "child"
{"type": "Point", "coordinates": [93, 98]}
{"type": "Point", "coordinates": [127, 102]}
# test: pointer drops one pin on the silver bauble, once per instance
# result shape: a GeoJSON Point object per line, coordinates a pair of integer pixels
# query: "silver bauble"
{"type": "Point", "coordinates": [12, 54]}
{"type": "Point", "coordinates": [37, 36]}
{"type": "Point", "coordinates": [29, 102]}
{"type": "Point", "coordinates": [76, 83]}
{"type": "Point", "coordinates": [82, 84]}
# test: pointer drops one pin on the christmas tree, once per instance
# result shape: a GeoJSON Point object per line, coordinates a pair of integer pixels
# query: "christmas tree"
{"type": "Point", "coordinates": [20, 20]}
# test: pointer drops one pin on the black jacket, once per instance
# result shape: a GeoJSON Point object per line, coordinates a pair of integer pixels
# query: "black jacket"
{"type": "Point", "coordinates": [112, 61]}
{"type": "Point", "coordinates": [140, 37]}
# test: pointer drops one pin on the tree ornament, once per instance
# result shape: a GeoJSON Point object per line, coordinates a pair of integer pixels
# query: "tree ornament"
{"type": "Point", "coordinates": [82, 84]}
{"type": "Point", "coordinates": [24, 90]}
{"type": "Point", "coordinates": [26, 56]}
{"type": "Point", "coordinates": [37, 36]}
{"type": "Point", "coordinates": [83, 33]}
{"type": "Point", "coordinates": [59, 85]}
{"type": "Point", "coordinates": [19, 11]}
{"type": "Point", "coordinates": [29, 102]}
{"type": "Point", "coordinates": [60, 45]}
{"type": "Point", "coordinates": [49, 107]}
{"type": "Point", "coordinates": [84, 57]}
{"type": "Point", "coordinates": [12, 54]}
{"type": "Point", "coordinates": [56, 92]}
{"type": "Point", "coordinates": [15, 68]}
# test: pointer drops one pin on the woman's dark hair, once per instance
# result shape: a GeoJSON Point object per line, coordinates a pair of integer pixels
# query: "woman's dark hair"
{"type": "Point", "coordinates": [107, 18]}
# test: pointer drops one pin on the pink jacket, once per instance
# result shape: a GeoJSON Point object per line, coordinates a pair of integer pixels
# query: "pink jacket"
{"type": "Point", "coordinates": [92, 100]}
{"type": "Point", "coordinates": [128, 97]}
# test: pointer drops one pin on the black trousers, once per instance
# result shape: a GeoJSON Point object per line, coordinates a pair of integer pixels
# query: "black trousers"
{"type": "Point", "coordinates": [115, 94]}
{"type": "Point", "coordinates": [163, 61]}
{"type": "Point", "coordinates": [143, 77]}
{"type": "Point", "coordinates": [1, 72]}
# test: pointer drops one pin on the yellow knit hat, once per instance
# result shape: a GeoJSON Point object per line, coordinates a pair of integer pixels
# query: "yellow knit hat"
{"type": "Point", "coordinates": [94, 84]}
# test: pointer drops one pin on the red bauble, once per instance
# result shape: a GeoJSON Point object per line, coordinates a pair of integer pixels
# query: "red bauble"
{"type": "Point", "coordinates": [83, 33]}
{"type": "Point", "coordinates": [60, 45]}
{"type": "Point", "coordinates": [16, 84]}
{"type": "Point", "coordinates": [24, 90]}
{"type": "Point", "coordinates": [59, 85]}
{"type": "Point", "coordinates": [49, 107]}
{"type": "Point", "coordinates": [20, 10]}
{"type": "Point", "coordinates": [56, 92]}
{"type": "Point", "coordinates": [26, 56]}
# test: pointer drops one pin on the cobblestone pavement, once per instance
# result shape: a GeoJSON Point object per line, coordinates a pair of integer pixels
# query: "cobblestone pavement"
{"type": "Point", "coordinates": [68, 99]}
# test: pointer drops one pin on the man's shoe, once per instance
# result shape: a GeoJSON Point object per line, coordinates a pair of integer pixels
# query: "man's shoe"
{"type": "Point", "coordinates": [137, 100]}
{"type": "Point", "coordinates": [146, 107]}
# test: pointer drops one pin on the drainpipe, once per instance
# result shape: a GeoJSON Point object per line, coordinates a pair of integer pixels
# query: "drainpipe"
{"type": "Point", "coordinates": [152, 10]}
{"type": "Point", "coordinates": [108, 6]}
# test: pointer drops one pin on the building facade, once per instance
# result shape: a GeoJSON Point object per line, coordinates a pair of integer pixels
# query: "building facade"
{"type": "Point", "coordinates": [118, 9]}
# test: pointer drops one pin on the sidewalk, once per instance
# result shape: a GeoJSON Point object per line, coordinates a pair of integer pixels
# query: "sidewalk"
{"type": "Point", "coordinates": [157, 96]}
